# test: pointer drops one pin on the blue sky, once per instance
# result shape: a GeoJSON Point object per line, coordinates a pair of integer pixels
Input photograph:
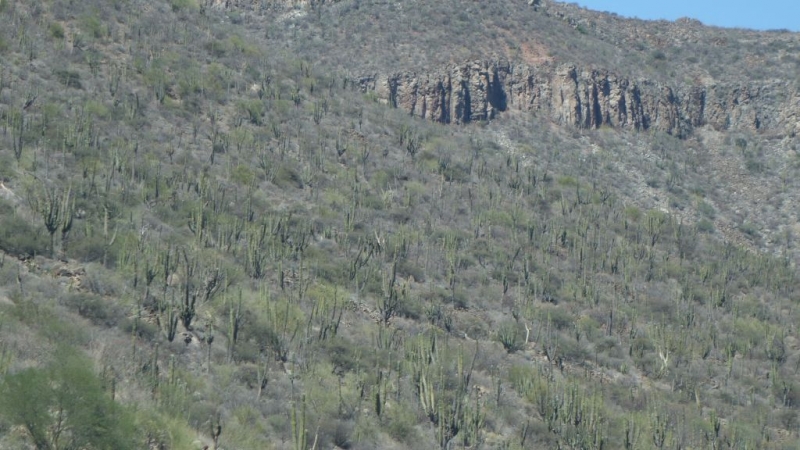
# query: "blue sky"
{"type": "Point", "coordinates": [758, 14]}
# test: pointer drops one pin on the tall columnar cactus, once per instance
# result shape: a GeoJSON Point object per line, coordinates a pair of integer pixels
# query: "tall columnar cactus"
{"type": "Point", "coordinates": [55, 210]}
{"type": "Point", "coordinates": [444, 392]}
{"type": "Point", "coordinates": [298, 418]}
{"type": "Point", "coordinates": [170, 319]}
{"type": "Point", "coordinates": [390, 301]}
{"type": "Point", "coordinates": [108, 239]}
{"type": "Point", "coordinates": [17, 124]}
{"type": "Point", "coordinates": [235, 319]}
{"type": "Point", "coordinates": [67, 217]}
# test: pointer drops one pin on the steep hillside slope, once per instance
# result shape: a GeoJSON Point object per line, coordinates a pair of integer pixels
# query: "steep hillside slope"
{"type": "Point", "coordinates": [368, 224]}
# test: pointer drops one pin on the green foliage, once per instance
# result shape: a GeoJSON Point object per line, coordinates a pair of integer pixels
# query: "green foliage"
{"type": "Point", "coordinates": [706, 210]}
{"type": "Point", "coordinates": [705, 226]}
{"type": "Point", "coordinates": [91, 249]}
{"type": "Point", "coordinates": [183, 5]}
{"type": "Point", "coordinates": [253, 110]}
{"type": "Point", "coordinates": [401, 425]}
{"type": "Point", "coordinates": [56, 31]}
{"type": "Point", "coordinates": [96, 109]}
{"type": "Point", "coordinates": [93, 26]}
{"type": "Point", "coordinates": [17, 236]}
{"type": "Point", "coordinates": [633, 213]}
{"type": "Point", "coordinates": [68, 78]}
{"type": "Point", "coordinates": [26, 399]}
{"type": "Point", "coordinates": [43, 320]}
{"type": "Point", "coordinates": [511, 336]}
{"type": "Point", "coordinates": [93, 307]}
{"type": "Point", "coordinates": [658, 55]}
{"type": "Point", "coordinates": [281, 257]}
{"type": "Point", "coordinates": [161, 430]}
{"type": "Point", "coordinates": [63, 406]}
{"type": "Point", "coordinates": [749, 229]}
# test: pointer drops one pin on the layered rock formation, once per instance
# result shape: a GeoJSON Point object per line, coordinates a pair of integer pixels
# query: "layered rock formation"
{"type": "Point", "coordinates": [262, 5]}
{"type": "Point", "coordinates": [585, 98]}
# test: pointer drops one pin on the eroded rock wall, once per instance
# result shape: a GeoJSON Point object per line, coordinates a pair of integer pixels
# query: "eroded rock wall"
{"type": "Point", "coordinates": [585, 98]}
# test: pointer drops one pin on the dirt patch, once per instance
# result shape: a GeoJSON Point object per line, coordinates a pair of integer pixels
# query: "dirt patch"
{"type": "Point", "coordinates": [534, 53]}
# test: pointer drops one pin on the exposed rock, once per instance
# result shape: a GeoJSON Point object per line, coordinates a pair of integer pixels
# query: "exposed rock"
{"type": "Point", "coordinates": [7, 194]}
{"type": "Point", "coordinates": [262, 5]}
{"type": "Point", "coordinates": [585, 98]}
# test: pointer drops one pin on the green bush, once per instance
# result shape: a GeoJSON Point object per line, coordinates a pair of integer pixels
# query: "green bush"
{"type": "Point", "coordinates": [407, 268]}
{"type": "Point", "coordinates": [401, 425]}
{"type": "Point", "coordinates": [94, 308]}
{"type": "Point", "coordinates": [511, 336]}
{"type": "Point", "coordinates": [705, 209]}
{"type": "Point", "coordinates": [7, 171]}
{"type": "Point", "coordinates": [144, 330]}
{"type": "Point", "coordinates": [180, 5]}
{"type": "Point", "coordinates": [93, 26]}
{"type": "Point", "coordinates": [56, 30]}
{"type": "Point", "coordinates": [68, 78]}
{"type": "Point", "coordinates": [46, 321]}
{"type": "Point", "coordinates": [288, 177]}
{"type": "Point", "coordinates": [101, 282]}
{"type": "Point", "coordinates": [748, 229]}
{"type": "Point", "coordinates": [87, 417]}
{"type": "Point", "coordinates": [410, 308]}
{"type": "Point", "coordinates": [18, 237]}
{"type": "Point", "coordinates": [705, 226]}
{"type": "Point", "coordinates": [336, 434]}
{"type": "Point", "coordinates": [345, 356]}
{"type": "Point", "coordinates": [556, 316]}
{"type": "Point", "coordinates": [87, 249]}
{"type": "Point", "coordinates": [658, 55]}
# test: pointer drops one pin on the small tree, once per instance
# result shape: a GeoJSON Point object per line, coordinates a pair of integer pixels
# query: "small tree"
{"type": "Point", "coordinates": [64, 406]}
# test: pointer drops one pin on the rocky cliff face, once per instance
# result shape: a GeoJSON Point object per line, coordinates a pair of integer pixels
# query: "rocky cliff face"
{"type": "Point", "coordinates": [263, 5]}
{"type": "Point", "coordinates": [585, 98]}
{"type": "Point", "coordinates": [575, 94]}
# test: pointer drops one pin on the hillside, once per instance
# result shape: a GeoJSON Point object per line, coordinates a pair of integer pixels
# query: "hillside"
{"type": "Point", "coordinates": [365, 224]}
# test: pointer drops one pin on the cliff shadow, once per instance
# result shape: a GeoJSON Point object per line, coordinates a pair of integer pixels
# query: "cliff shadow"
{"type": "Point", "coordinates": [497, 94]}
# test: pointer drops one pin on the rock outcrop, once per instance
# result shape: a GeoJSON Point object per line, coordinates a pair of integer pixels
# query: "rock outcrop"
{"type": "Point", "coordinates": [584, 98]}
{"type": "Point", "coordinates": [262, 5]}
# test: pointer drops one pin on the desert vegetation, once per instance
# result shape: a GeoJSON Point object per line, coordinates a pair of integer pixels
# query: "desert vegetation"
{"type": "Point", "coordinates": [210, 235]}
